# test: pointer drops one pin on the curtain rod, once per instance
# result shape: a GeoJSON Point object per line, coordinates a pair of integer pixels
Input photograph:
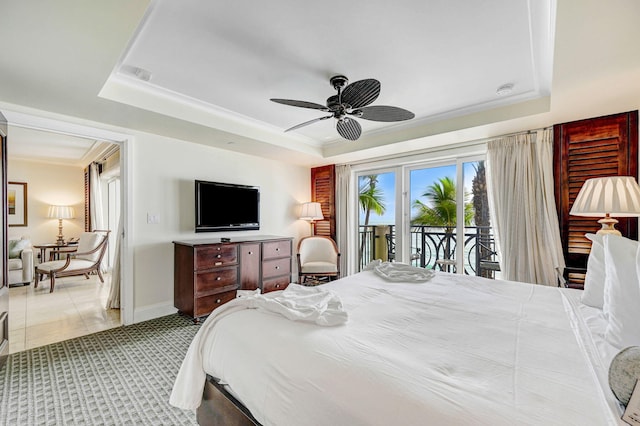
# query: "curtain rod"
{"type": "Point", "coordinates": [464, 144]}
{"type": "Point", "coordinates": [108, 153]}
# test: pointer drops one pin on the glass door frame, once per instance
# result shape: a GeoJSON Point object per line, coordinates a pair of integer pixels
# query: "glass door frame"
{"type": "Point", "coordinates": [402, 200]}
{"type": "Point", "coordinates": [397, 170]}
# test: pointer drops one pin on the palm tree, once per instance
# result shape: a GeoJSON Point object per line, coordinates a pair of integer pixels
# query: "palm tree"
{"type": "Point", "coordinates": [443, 209]}
{"type": "Point", "coordinates": [480, 201]}
{"type": "Point", "coordinates": [484, 249]}
{"type": "Point", "coordinates": [371, 200]}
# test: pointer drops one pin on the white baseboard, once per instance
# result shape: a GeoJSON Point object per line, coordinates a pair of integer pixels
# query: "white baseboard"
{"type": "Point", "coordinates": [149, 312]}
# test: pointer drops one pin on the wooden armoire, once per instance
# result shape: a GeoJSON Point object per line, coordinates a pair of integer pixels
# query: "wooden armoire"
{"type": "Point", "coordinates": [584, 149]}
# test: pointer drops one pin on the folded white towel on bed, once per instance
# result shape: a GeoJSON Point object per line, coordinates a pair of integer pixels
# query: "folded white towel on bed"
{"type": "Point", "coordinates": [401, 272]}
{"type": "Point", "coordinates": [297, 303]}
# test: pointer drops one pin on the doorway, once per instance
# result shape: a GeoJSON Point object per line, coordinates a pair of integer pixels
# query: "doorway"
{"type": "Point", "coordinates": [77, 306]}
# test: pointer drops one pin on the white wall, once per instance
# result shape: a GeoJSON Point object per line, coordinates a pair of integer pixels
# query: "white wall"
{"type": "Point", "coordinates": [48, 184]}
{"type": "Point", "coordinates": [163, 175]}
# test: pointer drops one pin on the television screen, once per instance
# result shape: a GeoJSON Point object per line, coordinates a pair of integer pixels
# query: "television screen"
{"type": "Point", "coordinates": [226, 207]}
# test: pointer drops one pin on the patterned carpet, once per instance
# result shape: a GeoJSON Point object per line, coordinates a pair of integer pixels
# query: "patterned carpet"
{"type": "Point", "coordinates": [121, 376]}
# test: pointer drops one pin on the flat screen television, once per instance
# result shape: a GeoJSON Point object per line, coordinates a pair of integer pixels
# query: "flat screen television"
{"type": "Point", "coordinates": [226, 207]}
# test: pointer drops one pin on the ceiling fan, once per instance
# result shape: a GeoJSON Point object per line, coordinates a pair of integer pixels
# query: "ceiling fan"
{"type": "Point", "coordinates": [351, 101]}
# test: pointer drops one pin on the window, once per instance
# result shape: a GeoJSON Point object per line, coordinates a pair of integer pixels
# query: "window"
{"type": "Point", "coordinates": [431, 214]}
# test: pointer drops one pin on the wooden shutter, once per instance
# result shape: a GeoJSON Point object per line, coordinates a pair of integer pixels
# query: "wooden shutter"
{"type": "Point", "coordinates": [596, 147]}
{"type": "Point", "coordinates": [87, 200]}
{"type": "Point", "coordinates": [323, 191]}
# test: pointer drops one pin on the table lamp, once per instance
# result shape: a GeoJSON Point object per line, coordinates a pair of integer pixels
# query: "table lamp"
{"type": "Point", "coordinates": [311, 212]}
{"type": "Point", "coordinates": [608, 196]}
{"type": "Point", "coordinates": [60, 212]}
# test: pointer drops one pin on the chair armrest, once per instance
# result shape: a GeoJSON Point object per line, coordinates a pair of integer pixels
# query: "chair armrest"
{"type": "Point", "coordinates": [27, 264]}
{"type": "Point", "coordinates": [27, 256]}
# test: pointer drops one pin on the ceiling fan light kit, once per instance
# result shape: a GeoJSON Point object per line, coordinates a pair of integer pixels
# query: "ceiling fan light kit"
{"type": "Point", "coordinates": [352, 100]}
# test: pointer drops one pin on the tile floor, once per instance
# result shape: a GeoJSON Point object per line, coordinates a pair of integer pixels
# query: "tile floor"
{"type": "Point", "coordinates": [75, 308]}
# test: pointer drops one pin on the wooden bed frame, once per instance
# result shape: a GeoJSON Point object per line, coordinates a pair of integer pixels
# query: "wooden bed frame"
{"type": "Point", "coordinates": [220, 408]}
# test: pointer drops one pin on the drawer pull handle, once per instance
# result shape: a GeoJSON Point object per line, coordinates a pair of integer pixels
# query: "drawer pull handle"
{"type": "Point", "coordinates": [277, 267]}
{"type": "Point", "coordinates": [219, 256]}
{"type": "Point", "coordinates": [277, 248]}
{"type": "Point", "coordinates": [218, 249]}
{"type": "Point", "coordinates": [218, 301]}
{"type": "Point", "coordinates": [277, 285]}
{"type": "Point", "coordinates": [250, 252]}
{"type": "Point", "coordinates": [218, 278]}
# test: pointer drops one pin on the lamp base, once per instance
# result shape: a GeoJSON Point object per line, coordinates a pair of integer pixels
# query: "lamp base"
{"type": "Point", "coordinates": [608, 226]}
{"type": "Point", "coordinates": [60, 240]}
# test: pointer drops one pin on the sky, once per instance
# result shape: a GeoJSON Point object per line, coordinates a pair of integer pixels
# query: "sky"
{"type": "Point", "coordinates": [419, 180]}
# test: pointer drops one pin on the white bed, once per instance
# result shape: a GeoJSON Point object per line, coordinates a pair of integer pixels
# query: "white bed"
{"type": "Point", "coordinates": [456, 350]}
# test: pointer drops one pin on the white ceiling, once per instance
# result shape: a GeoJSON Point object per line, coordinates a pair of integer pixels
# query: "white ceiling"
{"type": "Point", "coordinates": [436, 58]}
{"type": "Point", "coordinates": [214, 66]}
{"type": "Point", "coordinates": [45, 146]}
{"type": "Point", "coordinates": [218, 63]}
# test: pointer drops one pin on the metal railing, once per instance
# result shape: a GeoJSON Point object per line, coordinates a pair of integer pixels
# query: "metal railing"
{"type": "Point", "coordinates": [435, 247]}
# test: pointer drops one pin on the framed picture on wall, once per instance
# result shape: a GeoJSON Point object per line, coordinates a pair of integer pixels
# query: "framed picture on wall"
{"type": "Point", "coordinates": [17, 203]}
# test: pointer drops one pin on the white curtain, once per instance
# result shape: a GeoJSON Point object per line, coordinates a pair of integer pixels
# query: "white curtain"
{"type": "Point", "coordinates": [523, 210]}
{"type": "Point", "coordinates": [113, 302]}
{"type": "Point", "coordinates": [343, 228]}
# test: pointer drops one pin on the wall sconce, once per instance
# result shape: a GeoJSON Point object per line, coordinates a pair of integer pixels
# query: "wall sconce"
{"type": "Point", "coordinates": [60, 212]}
{"type": "Point", "coordinates": [311, 212]}
{"type": "Point", "coordinates": [608, 196]}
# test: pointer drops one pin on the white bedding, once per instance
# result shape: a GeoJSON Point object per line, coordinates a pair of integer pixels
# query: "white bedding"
{"type": "Point", "coordinates": [456, 350]}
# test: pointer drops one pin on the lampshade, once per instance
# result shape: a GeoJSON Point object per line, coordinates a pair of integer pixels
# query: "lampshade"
{"type": "Point", "coordinates": [311, 211]}
{"type": "Point", "coordinates": [61, 212]}
{"type": "Point", "coordinates": [608, 196]}
{"type": "Point", "coordinates": [616, 195]}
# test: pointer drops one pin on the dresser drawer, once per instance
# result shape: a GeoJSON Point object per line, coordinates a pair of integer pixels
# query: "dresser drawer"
{"type": "Point", "coordinates": [275, 249]}
{"type": "Point", "coordinates": [216, 255]}
{"type": "Point", "coordinates": [204, 305]}
{"type": "Point", "coordinates": [216, 279]}
{"type": "Point", "coordinates": [274, 284]}
{"type": "Point", "coordinates": [275, 268]}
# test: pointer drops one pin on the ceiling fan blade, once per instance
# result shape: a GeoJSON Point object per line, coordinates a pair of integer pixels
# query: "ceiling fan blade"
{"type": "Point", "coordinates": [302, 104]}
{"type": "Point", "coordinates": [361, 93]}
{"type": "Point", "coordinates": [349, 128]}
{"type": "Point", "coordinates": [383, 113]}
{"type": "Point", "coordinates": [306, 123]}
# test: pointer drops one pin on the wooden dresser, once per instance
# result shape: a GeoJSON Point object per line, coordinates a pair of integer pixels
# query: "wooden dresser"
{"type": "Point", "coordinates": [207, 273]}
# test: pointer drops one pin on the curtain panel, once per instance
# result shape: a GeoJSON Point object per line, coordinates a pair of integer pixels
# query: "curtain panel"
{"type": "Point", "coordinates": [344, 193]}
{"type": "Point", "coordinates": [113, 301]}
{"type": "Point", "coordinates": [523, 210]}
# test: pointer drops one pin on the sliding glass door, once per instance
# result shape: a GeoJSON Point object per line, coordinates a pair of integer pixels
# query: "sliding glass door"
{"type": "Point", "coordinates": [377, 216]}
{"type": "Point", "coordinates": [431, 215]}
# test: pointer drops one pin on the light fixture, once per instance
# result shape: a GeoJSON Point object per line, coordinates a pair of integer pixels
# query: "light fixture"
{"type": "Point", "coordinates": [311, 211]}
{"type": "Point", "coordinates": [60, 212]}
{"type": "Point", "coordinates": [608, 196]}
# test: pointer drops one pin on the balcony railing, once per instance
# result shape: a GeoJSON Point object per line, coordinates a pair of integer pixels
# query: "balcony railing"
{"type": "Point", "coordinates": [433, 247]}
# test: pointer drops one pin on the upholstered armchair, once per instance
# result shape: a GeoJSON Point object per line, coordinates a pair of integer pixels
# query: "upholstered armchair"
{"type": "Point", "coordinates": [20, 263]}
{"type": "Point", "coordinates": [318, 257]}
{"type": "Point", "coordinates": [87, 259]}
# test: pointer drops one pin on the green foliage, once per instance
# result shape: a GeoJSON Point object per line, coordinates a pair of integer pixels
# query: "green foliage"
{"type": "Point", "coordinates": [371, 197]}
{"type": "Point", "coordinates": [442, 208]}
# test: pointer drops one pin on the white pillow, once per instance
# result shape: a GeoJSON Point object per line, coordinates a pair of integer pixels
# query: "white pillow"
{"type": "Point", "coordinates": [622, 291]}
{"type": "Point", "coordinates": [593, 294]}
